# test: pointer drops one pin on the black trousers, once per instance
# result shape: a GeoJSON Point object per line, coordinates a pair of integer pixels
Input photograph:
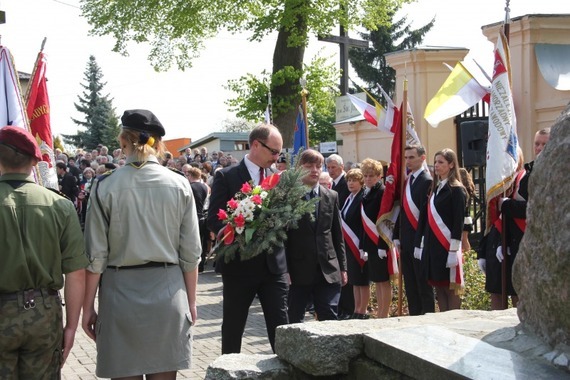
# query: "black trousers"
{"type": "Point", "coordinates": [418, 292]}
{"type": "Point", "coordinates": [325, 298]}
{"type": "Point", "coordinates": [239, 292]}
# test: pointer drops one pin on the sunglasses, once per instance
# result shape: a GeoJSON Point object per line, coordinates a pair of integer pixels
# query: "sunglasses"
{"type": "Point", "coordinates": [274, 152]}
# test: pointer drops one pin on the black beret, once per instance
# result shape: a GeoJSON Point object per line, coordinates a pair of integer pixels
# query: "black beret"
{"type": "Point", "coordinates": [21, 141]}
{"type": "Point", "coordinates": [143, 121]}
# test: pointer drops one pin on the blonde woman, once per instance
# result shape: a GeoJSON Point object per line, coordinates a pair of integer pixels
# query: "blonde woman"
{"type": "Point", "coordinates": [143, 242]}
{"type": "Point", "coordinates": [375, 247]}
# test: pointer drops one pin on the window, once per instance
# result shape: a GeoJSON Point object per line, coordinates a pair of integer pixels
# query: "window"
{"type": "Point", "coordinates": [241, 145]}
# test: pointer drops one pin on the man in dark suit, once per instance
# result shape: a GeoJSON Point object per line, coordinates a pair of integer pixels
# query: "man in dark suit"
{"type": "Point", "coordinates": [263, 275]}
{"type": "Point", "coordinates": [315, 251]}
{"type": "Point", "coordinates": [67, 182]}
{"type": "Point", "coordinates": [418, 292]}
{"type": "Point", "coordinates": [335, 167]}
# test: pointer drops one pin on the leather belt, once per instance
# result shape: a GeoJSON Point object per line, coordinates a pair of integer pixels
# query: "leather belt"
{"type": "Point", "coordinates": [29, 293]}
{"type": "Point", "coordinates": [150, 264]}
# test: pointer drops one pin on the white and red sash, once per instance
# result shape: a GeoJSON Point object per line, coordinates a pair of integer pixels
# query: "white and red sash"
{"type": "Point", "coordinates": [443, 235]}
{"type": "Point", "coordinates": [411, 209]}
{"type": "Point", "coordinates": [372, 233]}
{"type": "Point", "coordinates": [369, 227]}
{"type": "Point", "coordinates": [353, 242]}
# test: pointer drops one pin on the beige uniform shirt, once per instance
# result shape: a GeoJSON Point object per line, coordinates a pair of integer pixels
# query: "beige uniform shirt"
{"type": "Point", "coordinates": [140, 214]}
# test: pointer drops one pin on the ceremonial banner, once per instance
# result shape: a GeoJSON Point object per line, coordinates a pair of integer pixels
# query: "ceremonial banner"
{"type": "Point", "coordinates": [300, 140]}
{"type": "Point", "coordinates": [11, 104]}
{"type": "Point", "coordinates": [459, 92]}
{"type": "Point", "coordinates": [38, 111]}
{"type": "Point", "coordinates": [502, 156]}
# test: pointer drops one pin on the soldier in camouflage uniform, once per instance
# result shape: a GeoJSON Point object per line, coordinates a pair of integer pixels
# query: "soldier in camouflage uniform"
{"type": "Point", "coordinates": [41, 242]}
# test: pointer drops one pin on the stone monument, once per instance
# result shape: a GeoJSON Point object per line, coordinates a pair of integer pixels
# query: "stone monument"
{"type": "Point", "coordinates": [541, 273]}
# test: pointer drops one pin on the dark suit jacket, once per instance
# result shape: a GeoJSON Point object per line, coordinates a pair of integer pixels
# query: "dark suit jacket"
{"type": "Point", "coordinates": [200, 192]}
{"type": "Point", "coordinates": [420, 192]}
{"type": "Point", "coordinates": [69, 186]}
{"type": "Point", "coordinates": [342, 189]}
{"type": "Point", "coordinates": [450, 205]}
{"type": "Point", "coordinates": [227, 183]}
{"type": "Point", "coordinates": [317, 244]}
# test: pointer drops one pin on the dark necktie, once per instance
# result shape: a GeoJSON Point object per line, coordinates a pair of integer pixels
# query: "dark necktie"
{"type": "Point", "coordinates": [412, 180]}
{"type": "Point", "coordinates": [261, 175]}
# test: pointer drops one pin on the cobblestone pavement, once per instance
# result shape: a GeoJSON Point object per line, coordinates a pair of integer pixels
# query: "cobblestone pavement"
{"type": "Point", "coordinates": [207, 335]}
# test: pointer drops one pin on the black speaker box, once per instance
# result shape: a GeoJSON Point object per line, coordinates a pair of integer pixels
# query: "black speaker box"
{"type": "Point", "coordinates": [474, 136]}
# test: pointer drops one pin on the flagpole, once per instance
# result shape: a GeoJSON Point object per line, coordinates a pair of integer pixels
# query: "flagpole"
{"type": "Point", "coordinates": [28, 90]}
{"type": "Point", "coordinates": [404, 113]}
{"type": "Point", "coordinates": [37, 174]}
{"type": "Point", "coordinates": [304, 94]}
{"type": "Point", "coordinates": [504, 295]}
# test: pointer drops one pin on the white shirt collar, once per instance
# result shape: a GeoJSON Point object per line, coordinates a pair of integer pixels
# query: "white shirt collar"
{"type": "Point", "coordinates": [252, 168]}
{"type": "Point", "coordinates": [335, 180]}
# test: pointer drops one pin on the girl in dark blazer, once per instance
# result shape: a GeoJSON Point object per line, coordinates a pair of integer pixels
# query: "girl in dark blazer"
{"type": "Point", "coordinates": [442, 224]}
{"type": "Point", "coordinates": [371, 243]}
{"type": "Point", "coordinates": [352, 232]}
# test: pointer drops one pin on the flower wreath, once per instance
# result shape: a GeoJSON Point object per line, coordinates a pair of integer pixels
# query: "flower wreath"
{"type": "Point", "coordinates": [257, 217]}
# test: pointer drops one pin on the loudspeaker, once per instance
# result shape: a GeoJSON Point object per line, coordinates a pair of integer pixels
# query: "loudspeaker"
{"type": "Point", "coordinates": [474, 136]}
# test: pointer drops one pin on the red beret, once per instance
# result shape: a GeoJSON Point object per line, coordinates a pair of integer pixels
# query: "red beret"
{"type": "Point", "coordinates": [21, 141]}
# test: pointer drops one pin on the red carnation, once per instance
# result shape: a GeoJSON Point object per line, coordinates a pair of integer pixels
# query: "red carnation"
{"type": "Point", "coordinates": [233, 204]}
{"type": "Point", "coordinates": [257, 199]}
{"type": "Point", "coordinates": [222, 215]}
{"type": "Point", "coordinates": [239, 220]}
{"type": "Point", "coordinates": [245, 188]}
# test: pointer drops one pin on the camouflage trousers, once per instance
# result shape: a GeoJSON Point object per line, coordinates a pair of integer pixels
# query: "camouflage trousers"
{"type": "Point", "coordinates": [31, 338]}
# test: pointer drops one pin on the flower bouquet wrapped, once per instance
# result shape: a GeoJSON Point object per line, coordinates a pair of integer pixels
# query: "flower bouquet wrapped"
{"type": "Point", "coordinates": [257, 217]}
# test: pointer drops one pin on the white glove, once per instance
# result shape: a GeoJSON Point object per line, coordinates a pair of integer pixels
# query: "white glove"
{"type": "Point", "coordinates": [499, 254]}
{"type": "Point", "coordinates": [418, 253]}
{"type": "Point", "coordinates": [390, 179]}
{"type": "Point", "coordinates": [382, 253]}
{"type": "Point", "coordinates": [451, 259]}
{"type": "Point", "coordinates": [482, 265]}
{"type": "Point", "coordinates": [363, 255]}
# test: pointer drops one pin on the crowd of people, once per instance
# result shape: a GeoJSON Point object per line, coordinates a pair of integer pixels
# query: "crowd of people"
{"type": "Point", "coordinates": [148, 226]}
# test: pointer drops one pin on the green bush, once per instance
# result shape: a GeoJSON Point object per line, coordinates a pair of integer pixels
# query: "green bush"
{"type": "Point", "coordinates": [474, 298]}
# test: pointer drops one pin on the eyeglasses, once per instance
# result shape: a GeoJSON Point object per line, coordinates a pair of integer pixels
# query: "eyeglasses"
{"type": "Point", "coordinates": [274, 152]}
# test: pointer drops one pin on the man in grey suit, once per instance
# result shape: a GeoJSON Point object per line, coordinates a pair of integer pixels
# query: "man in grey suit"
{"type": "Point", "coordinates": [315, 251]}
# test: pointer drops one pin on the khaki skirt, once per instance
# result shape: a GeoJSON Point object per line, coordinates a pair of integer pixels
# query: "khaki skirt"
{"type": "Point", "coordinates": [144, 322]}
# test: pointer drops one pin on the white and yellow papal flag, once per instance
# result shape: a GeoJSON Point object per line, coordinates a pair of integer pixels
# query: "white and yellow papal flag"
{"type": "Point", "coordinates": [502, 145]}
{"type": "Point", "coordinates": [459, 92]}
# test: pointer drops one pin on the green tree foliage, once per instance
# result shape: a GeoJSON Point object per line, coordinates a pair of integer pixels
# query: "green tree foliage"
{"type": "Point", "coordinates": [370, 64]}
{"type": "Point", "coordinates": [322, 78]}
{"type": "Point", "coordinates": [176, 30]}
{"type": "Point", "coordinates": [101, 123]}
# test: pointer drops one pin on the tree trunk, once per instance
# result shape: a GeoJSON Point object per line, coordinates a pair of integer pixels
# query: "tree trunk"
{"type": "Point", "coordinates": [284, 56]}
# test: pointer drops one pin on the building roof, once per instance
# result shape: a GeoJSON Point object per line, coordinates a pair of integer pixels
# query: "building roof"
{"type": "Point", "coordinates": [232, 136]}
{"type": "Point", "coordinates": [23, 75]}
{"type": "Point", "coordinates": [353, 119]}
